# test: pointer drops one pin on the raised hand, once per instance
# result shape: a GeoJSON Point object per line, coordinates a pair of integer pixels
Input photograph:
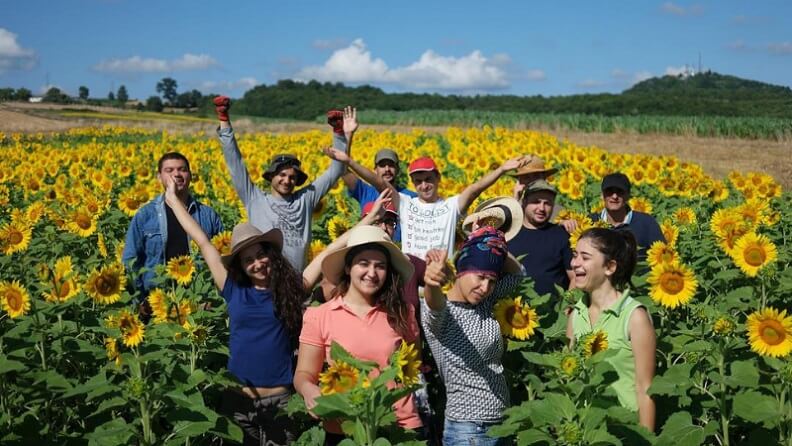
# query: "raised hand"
{"type": "Point", "coordinates": [514, 163]}
{"type": "Point", "coordinates": [336, 120]}
{"type": "Point", "coordinates": [336, 154]}
{"type": "Point", "coordinates": [170, 191]}
{"type": "Point", "coordinates": [519, 189]}
{"type": "Point", "coordinates": [436, 274]}
{"type": "Point", "coordinates": [350, 120]}
{"type": "Point", "coordinates": [385, 197]}
{"type": "Point", "coordinates": [222, 105]}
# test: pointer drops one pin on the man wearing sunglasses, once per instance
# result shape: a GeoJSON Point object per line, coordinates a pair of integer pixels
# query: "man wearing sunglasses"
{"type": "Point", "coordinates": [282, 207]}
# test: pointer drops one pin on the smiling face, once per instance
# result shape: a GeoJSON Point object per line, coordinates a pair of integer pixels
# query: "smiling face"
{"type": "Point", "coordinates": [387, 170]}
{"type": "Point", "coordinates": [589, 266]}
{"type": "Point", "coordinates": [177, 169]}
{"type": "Point", "coordinates": [426, 183]}
{"type": "Point", "coordinates": [615, 199]}
{"type": "Point", "coordinates": [257, 265]}
{"type": "Point", "coordinates": [284, 181]}
{"type": "Point", "coordinates": [537, 207]}
{"type": "Point", "coordinates": [474, 287]}
{"type": "Point", "coordinates": [367, 271]}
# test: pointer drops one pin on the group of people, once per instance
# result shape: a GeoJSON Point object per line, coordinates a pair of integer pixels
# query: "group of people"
{"type": "Point", "coordinates": [375, 293]}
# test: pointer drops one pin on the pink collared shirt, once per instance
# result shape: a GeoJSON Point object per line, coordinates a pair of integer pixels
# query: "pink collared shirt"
{"type": "Point", "coordinates": [370, 338]}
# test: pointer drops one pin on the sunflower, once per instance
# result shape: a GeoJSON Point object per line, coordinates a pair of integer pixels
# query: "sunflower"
{"type": "Point", "coordinates": [770, 332]}
{"type": "Point", "coordinates": [673, 284]}
{"type": "Point", "coordinates": [101, 245]}
{"type": "Point", "coordinates": [196, 333]}
{"type": "Point", "coordinates": [82, 222]}
{"type": "Point", "coordinates": [660, 253]}
{"type": "Point", "coordinates": [753, 252]}
{"type": "Point", "coordinates": [222, 242]}
{"type": "Point", "coordinates": [726, 222]}
{"type": "Point", "coordinates": [723, 326]}
{"type": "Point", "coordinates": [670, 232]}
{"type": "Point", "coordinates": [336, 226]}
{"type": "Point", "coordinates": [132, 329]}
{"type": "Point", "coordinates": [159, 303]}
{"type": "Point", "coordinates": [63, 281]}
{"type": "Point", "coordinates": [594, 343]}
{"type": "Point", "coordinates": [34, 212]}
{"type": "Point", "coordinates": [338, 378]}
{"type": "Point", "coordinates": [179, 312]}
{"type": "Point", "coordinates": [14, 237]}
{"type": "Point", "coordinates": [14, 298]}
{"type": "Point", "coordinates": [517, 320]}
{"type": "Point", "coordinates": [181, 269]}
{"type": "Point", "coordinates": [569, 365]}
{"type": "Point", "coordinates": [317, 246]}
{"type": "Point", "coordinates": [641, 205]}
{"type": "Point", "coordinates": [407, 361]}
{"type": "Point", "coordinates": [111, 348]}
{"type": "Point", "coordinates": [685, 216]}
{"type": "Point", "coordinates": [105, 285]}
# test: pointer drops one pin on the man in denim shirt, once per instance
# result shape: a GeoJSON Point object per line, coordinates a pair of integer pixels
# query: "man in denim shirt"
{"type": "Point", "coordinates": [154, 235]}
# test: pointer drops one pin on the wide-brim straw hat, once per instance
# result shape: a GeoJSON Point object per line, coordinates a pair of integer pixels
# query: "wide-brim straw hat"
{"type": "Point", "coordinates": [535, 164]}
{"type": "Point", "coordinates": [245, 234]}
{"type": "Point", "coordinates": [502, 213]}
{"type": "Point", "coordinates": [333, 267]}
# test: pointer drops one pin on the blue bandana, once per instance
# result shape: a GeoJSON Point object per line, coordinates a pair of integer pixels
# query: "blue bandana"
{"type": "Point", "coordinates": [483, 252]}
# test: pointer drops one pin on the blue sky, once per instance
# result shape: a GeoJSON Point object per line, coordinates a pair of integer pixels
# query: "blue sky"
{"type": "Point", "coordinates": [495, 47]}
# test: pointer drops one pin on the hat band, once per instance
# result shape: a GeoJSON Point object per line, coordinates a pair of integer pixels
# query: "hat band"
{"type": "Point", "coordinates": [507, 221]}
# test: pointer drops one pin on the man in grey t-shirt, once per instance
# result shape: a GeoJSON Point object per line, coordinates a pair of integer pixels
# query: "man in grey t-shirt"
{"type": "Point", "coordinates": [282, 207]}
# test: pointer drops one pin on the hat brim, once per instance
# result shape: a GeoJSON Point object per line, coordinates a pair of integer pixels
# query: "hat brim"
{"type": "Point", "coordinates": [484, 210]}
{"type": "Point", "coordinates": [528, 170]}
{"type": "Point", "coordinates": [273, 237]}
{"type": "Point", "coordinates": [333, 267]}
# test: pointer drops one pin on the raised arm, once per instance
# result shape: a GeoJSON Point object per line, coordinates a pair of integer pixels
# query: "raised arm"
{"type": "Point", "coordinates": [435, 277]}
{"type": "Point", "coordinates": [361, 171]}
{"type": "Point", "coordinates": [342, 141]}
{"type": "Point", "coordinates": [210, 254]}
{"type": "Point", "coordinates": [233, 157]}
{"type": "Point", "coordinates": [472, 192]}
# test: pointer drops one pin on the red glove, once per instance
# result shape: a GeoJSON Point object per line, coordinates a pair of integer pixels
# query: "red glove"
{"type": "Point", "coordinates": [222, 104]}
{"type": "Point", "coordinates": [336, 120]}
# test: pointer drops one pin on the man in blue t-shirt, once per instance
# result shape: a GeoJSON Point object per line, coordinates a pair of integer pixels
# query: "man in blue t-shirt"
{"type": "Point", "coordinates": [542, 247]}
{"type": "Point", "coordinates": [386, 166]}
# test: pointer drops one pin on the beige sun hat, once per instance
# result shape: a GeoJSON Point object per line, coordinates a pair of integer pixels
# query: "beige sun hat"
{"type": "Point", "coordinates": [533, 165]}
{"type": "Point", "coordinates": [502, 213]}
{"type": "Point", "coordinates": [333, 264]}
{"type": "Point", "coordinates": [245, 234]}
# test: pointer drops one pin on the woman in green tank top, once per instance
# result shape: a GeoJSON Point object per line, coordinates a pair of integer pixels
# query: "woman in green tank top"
{"type": "Point", "coordinates": [603, 262]}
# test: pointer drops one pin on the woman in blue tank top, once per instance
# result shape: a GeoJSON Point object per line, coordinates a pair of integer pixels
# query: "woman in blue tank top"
{"type": "Point", "coordinates": [264, 294]}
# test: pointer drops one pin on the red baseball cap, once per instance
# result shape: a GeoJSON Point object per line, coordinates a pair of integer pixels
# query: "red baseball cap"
{"type": "Point", "coordinates": [423, 164]}
{"type": "Point", "coordinates": [388, 208]}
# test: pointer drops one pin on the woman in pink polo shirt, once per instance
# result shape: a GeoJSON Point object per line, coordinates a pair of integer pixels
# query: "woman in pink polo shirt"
{"type": "Point", "coordinates": [365, 314]}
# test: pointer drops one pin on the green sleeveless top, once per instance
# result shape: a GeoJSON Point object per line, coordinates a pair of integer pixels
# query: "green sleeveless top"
{"type": "Point", "coordinates": [614, 321]}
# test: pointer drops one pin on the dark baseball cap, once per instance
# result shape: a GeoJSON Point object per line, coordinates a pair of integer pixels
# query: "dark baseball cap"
{"type": "Point", "coordinates": [386, 154]}
{"type": "Point", "coordinates": [616, 180]}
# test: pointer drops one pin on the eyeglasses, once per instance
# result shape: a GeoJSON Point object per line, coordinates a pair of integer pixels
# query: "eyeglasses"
{"type": "Point", "coordinates": [390, 222]}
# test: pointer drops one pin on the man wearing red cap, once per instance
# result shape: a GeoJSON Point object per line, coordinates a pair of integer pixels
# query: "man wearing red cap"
{"type": "Point", "coordinates": [428, 220]}
{"type": "Point", "coordinates": [282, 207]}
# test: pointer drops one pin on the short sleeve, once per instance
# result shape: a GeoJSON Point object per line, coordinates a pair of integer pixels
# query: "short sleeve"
{"type": "Point", "coordinates": [312, 327]}
{"type": "Point", "coordinates": [230, 289]}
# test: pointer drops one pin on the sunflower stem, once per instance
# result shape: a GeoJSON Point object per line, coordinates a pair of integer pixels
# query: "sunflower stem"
{"type": "Point", "coordinates": [724, 416]}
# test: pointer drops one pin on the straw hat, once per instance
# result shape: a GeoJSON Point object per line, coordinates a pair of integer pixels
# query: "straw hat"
{"type": "Point", "coordinates": [245, 234]}
{"type": "Point", "coordinates": [534, 164]}
{"type": "Point", "coordinates": [333, 264]}
{"type": "Point", "coordinates": [503, 213]}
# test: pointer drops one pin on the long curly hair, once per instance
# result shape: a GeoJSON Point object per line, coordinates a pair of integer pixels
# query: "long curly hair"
{"type": "Point", "coordinates": [286, 285]}
{"type": "Point", "coordinates": [388, 298]}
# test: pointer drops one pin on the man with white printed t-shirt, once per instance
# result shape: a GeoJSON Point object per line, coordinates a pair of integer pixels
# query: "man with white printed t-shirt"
{"type": "Point", "coordinates": [428, 220]}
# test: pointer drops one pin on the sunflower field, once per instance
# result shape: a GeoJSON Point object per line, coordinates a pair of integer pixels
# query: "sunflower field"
{"type": "Point", "coordinates": [77, 366]}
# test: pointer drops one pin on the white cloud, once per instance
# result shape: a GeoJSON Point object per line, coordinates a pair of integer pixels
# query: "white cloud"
{"type": "Point", "coordinates": [137, 64]}
{"type": "Point", "coordinates": [676, 71]}
{"type": "Point", "coordinates": [681, 11]}
{"type": "Point", "coordinates": [12, 55]}
{"type": "Point", "coordinates": [355, 65]}
{"type": "Point", "coordinates": [245, 83]}
{"type": "Point", "coordinates": [780, 48]}
{"type": "Point", "coordinates": [329, 44]}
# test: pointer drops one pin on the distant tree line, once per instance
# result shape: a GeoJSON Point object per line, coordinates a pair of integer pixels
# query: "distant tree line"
{"type": "Point", "coordinates": [704, 94]}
